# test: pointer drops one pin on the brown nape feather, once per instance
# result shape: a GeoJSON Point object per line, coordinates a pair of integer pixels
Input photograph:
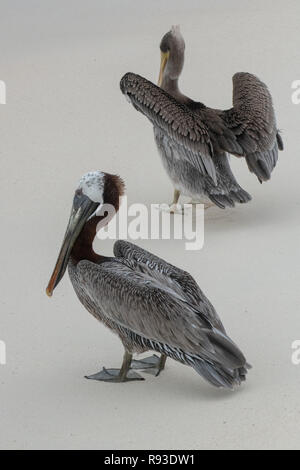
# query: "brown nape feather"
{"type": "Point", "coordinates": [114, 188]}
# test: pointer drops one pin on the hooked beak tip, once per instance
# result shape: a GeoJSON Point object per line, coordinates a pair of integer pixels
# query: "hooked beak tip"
{"type": "Point", "coordinates": [49, 291]}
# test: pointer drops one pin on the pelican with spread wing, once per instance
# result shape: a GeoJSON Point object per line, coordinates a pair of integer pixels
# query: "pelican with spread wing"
{"type": "Point", "coordinates": [194, 140]}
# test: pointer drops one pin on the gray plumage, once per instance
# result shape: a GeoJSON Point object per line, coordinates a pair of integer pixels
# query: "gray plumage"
{"type": "Point", "coordinates": [153, 305]}
{"type": "Point", "coordinates": [194, 140]}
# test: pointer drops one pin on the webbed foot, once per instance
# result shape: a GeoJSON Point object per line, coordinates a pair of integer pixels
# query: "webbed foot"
{"type": "Point", "coordinates": [152, 365]}
{"type": "Point", "coordinates": [114, 375]}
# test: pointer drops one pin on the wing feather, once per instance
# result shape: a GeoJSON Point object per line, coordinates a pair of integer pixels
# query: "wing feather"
{"type": "Point", "coordinates": [181, 281]}
{"type": "Point", "coordinates": [138, 303]}
{"type": "Point", "coordinates": [184, 127]}
{"type": "Point", "coordinates": [141, 304]}
{"type": "Point", "coordinates": [252, 119]}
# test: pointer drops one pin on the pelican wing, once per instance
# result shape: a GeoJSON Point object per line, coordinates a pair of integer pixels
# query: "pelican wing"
{"type": "Point", "coordinates": [252, 120]}
{"type": "Point", "coordinates": [177, 279]}
{"type": "Point", "coordinates": [152, 311]}
{"type": "Point", "coordinates": [183, 127]}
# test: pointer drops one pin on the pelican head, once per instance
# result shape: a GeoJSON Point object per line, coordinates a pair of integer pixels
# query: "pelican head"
{"type": "Point", "coordinates": [93, 191]}
{"type": "Point", "coordinates": [172, 56]}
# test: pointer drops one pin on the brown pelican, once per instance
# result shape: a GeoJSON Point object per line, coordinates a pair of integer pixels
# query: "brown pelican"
{"type": "Point", "coordinates": [194, 140]}
{"type": "Point", "coordinates": [149, 303]}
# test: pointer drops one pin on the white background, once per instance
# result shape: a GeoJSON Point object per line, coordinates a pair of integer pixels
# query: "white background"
{"type": "Point", "coordinates": [65, 115]}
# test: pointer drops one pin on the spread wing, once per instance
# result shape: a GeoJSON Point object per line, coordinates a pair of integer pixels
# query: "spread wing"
{"type": "Point", "coordinates": [183, 127]}
{"type": "Point", "coordinates": [200, 133]}
{"type": "Point", "coordinates": [252, 120]}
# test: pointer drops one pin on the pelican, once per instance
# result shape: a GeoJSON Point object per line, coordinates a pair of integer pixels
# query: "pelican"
{"type": "Point", "coordinates": [194, 141]}
{"type": "Point", "coordinates": [147, 302]}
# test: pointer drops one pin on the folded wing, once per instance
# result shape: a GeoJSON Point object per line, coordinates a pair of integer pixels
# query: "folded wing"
{"type": "Point", "coordinates": [178, 280]}
{"type": "Point", "coordinates": [141, 304]}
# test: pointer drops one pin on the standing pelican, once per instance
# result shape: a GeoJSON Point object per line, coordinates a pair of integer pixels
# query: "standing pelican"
{"type": "Point", "coordinates": [149, 303]}
{"type": "Point", "coordinates": [193, 140]}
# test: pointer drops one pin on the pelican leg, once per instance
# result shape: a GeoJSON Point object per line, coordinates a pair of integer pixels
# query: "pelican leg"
{"type": "Point", "coordinates": [176, 196]}
{"type": "Point", "coordinates": [174, 206]}
{"type": "Point", "coordinates": [117, 375]}
{"type": "Point", "coordinates": [152, 365]}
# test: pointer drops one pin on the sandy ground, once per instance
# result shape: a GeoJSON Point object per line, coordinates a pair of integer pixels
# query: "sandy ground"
{"type": "Point", "coordinates": [65, 115]}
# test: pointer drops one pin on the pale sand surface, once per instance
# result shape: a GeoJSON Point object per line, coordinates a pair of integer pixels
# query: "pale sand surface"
{"type": "Point", "coordinates": [62, 62]}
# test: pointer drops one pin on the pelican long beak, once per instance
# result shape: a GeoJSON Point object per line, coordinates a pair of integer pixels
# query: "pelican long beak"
{"type": "Point", "coordinates": [163, 62]}
{"type": "Point", "coordinates": [82, 209]}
